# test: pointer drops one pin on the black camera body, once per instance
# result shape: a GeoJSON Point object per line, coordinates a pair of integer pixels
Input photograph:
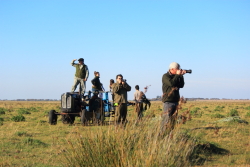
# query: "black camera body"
{"type": "Point", "coordinates": [189, 71]}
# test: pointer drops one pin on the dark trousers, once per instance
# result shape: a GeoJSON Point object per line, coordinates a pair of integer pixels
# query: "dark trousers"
{"type": "Point", "coordinates": [121, 113]}
{"type": "Point", "coordinates": [169, 109]}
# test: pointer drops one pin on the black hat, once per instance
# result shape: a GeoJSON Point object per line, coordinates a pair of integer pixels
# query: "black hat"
{"type": "Point", "coordinates": [81, 59]}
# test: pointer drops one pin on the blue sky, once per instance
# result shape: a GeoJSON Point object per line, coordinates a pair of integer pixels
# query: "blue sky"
{"type": "Point", "coordinates": [139, 39]}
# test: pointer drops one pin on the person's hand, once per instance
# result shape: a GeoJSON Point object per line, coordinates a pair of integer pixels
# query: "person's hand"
{"type": "Point", "coordinates": [75, 59]}
{"type": "Point", "coordinates": [85, 79]}
{"type": "Point", "coordinates": [183, 72]}
{"type": "Point", "coordinates": [123, 81]}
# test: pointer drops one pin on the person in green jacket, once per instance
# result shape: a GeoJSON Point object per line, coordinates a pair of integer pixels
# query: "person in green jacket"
{"type": "Point", "coordinates": [120, 89]}
{"type": "Point", "coordinates": [172, 81]}
{"type": "Point", "coordinates": [81, 75]}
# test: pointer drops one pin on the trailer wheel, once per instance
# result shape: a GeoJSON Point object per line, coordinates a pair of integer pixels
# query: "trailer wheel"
{"type": "Point", "coordinates": [52, 117]}
{"type": "Point", "coordinates": [83, 117]}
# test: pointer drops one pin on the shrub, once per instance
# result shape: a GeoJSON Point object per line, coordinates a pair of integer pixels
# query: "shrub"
{"type": "Point", "coordinates": [33, 109]}
{"type": "Point", "coordinates": [18, 118]}
{"type": "Point", "coordinates": [233, 112]}
{"type": "Point", "coordinates": [217, 115]}
{"type": "Point", "coordinates": [219, 108]}
{"type": "Point", "coordinates": [2, 111]}
{"type": "Point", "coordinates": [195, 110]}
{"type": "Point", "coordinates": [22, 111]}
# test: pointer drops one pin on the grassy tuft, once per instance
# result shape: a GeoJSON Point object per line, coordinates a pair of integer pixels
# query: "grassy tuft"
{"type": "Point", "coordinates": [138, 144]}
{"type": "Point", "coordinates": [248, 114]}
{"type": "Point", "coordinates": [219, 108]}
{"type": "Point", "coordinates": [233, 112]}
{"type": "Point", "coordinates": [22, 111]}
{"type": "Point", "coordinates": [34, 142]}
{"type": "Point", "coordinates": [2, 111]}
{"type": "Point", "coordinates": [18, 118]}
{"type": "Point", "coordinates": [217, 115]}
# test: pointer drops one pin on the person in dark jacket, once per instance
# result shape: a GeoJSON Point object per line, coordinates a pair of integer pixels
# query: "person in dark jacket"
{"type": "Point", "coordinates": [172, 81]}
{"type": "Point", "coordinates": [81, 75]}
{"type": "Point", "coordinates": [96, 84]}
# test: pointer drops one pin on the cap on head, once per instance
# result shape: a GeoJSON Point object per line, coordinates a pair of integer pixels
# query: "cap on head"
{"type": "Point", "coordinates": [174, 65]}
{"type": "Point", "coordinates": [81, 59]}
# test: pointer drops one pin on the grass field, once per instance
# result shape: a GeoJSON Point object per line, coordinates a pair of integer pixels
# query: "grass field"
{"type": "Point", "coordinates": [208, 137]}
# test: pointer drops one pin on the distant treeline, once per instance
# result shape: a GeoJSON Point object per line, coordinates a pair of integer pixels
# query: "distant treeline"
{"type": "Point", "coordinates": [158, 98]}
{"type": "Point", "coordinates": [29, 100]}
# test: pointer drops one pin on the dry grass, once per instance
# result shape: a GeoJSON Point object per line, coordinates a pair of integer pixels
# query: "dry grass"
{"type": "Point", "coordinates": [36, 143]}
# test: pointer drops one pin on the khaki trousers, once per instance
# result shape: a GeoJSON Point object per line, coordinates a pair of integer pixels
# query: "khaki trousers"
{"type": "Point", "coordinates": [82, 85]}
{"type": "Point", "coordinates": [121, 113]}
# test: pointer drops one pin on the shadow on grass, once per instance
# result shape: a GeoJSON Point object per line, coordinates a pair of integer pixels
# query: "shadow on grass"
{"type": "Point", "coordinates": [202, 152]}
{"type": "Point", "coordinates": [207, 128]}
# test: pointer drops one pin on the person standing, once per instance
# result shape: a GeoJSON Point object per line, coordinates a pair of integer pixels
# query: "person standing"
{"type": "Point", "coordinates": [96, 84]}
{"type": "Point", "coordinates": [138, 102]}
{"type": "Point", "coordinates": [172, 81]}
{"type": "Point", "coordinates": [120, 89]}
{"type": "Point", "coordinates": [111, 82]}
{"type": "Point", "coordinates": [81, 75]}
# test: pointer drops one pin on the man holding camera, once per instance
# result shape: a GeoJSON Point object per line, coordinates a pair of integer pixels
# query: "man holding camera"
{"type": "Point", "coordinates": [81, 75]}
{"type": "Point", "coordinates": [172, 81]}
{"type": "Point", "coordinates": [120, 89]}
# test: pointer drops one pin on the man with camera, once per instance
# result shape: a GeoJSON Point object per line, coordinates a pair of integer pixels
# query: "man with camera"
{"type": "Point", "coordinates": [120, 89]}
{"type": "Point", "coordinates": [172, 81]}
{"type": "Point", "coordinates": [81, 75]}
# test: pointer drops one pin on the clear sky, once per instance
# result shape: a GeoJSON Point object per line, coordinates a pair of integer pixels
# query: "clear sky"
{"type": "Point", "coordinates": [136, 38]}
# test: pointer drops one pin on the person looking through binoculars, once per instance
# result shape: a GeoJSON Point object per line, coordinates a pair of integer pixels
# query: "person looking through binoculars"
{"type": "Point", "coordinates": [120, 89]}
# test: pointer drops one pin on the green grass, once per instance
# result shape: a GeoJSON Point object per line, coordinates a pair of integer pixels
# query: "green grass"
{"type": "Point", "coordinates": [233, 112]}
{"type": "Point", "coordinates": [200, 141]}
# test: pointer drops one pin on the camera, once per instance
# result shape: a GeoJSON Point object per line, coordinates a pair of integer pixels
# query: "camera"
{"type": "Point", "coordinates": [189, 71]}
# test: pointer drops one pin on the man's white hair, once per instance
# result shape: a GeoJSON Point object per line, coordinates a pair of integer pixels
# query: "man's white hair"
{"type": "Point", "coordinates": [174, 65]}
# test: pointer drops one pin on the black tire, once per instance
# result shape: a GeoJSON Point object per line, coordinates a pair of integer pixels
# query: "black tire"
{"type": "Point", "coordinates": [83, 118]}
{"type": "Point", "coordinates": [52, 117]}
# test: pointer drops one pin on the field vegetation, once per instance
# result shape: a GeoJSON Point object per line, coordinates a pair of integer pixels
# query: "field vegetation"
{"type": "Point", "coordinates": [206, 133]}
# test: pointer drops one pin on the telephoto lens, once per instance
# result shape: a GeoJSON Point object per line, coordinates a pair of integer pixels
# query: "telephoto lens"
{"type": "Point", "coordinates": [188, 71]}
